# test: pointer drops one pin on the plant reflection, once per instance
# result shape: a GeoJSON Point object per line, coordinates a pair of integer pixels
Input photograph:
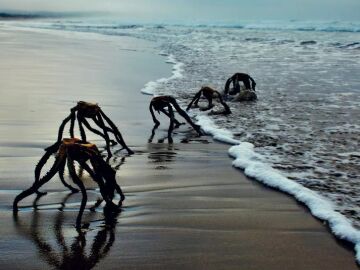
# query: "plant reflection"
{"type": "Point", "coordinates": [61, 250]}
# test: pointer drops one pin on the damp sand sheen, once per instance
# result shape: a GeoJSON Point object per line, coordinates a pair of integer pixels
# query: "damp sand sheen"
{"type": "Point", "coordinates": [186, 205]}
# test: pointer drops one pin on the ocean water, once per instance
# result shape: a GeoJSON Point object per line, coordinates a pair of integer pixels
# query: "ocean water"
{"type": "Point", "coordinates": [302, 136]}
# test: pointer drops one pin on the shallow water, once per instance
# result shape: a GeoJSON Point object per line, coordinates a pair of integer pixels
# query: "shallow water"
{"type": "Point", "coordinates": [306, 121]}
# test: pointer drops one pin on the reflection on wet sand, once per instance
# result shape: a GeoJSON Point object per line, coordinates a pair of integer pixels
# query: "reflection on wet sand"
{"type": "Point", "coordinates": [162, 138]}
{"type": "Point", "coordinates": [161, 156]}
{"type": "Point", "coordinates": [184, 136]}
{"type": "Point", "coordinates": [62, 251]}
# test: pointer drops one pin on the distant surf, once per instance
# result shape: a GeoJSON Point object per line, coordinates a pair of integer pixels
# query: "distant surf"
{"type": "Point", "coordinates": [14, 15]}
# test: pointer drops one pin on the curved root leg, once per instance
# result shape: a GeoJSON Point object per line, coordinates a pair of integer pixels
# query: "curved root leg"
{"type": "Point", "coordinates": [34, 204]}
{"type": "Point", "coordinates": [176, 122]}
{"type": "Point", "coordinates": [195, 100]}
{"type": "Point", "coordinates": [185, 116]}
{"type": "Point", "coordinates": [112, 142]}
{"type": "Point", "coordinates": [98, 179]}
{"type": "Point", "coordinates": [171, 126]}
{"type": "Point", "coordinates": [106, 136]}
{"type": "Point", "coordinates": [226, 107]}
{"type": "Point", "coordinates": [61, 175]}
{"type": "Point", "coordinates": [49, 151]}
{"type": "Point", "coordinates": [81, 128]}
{"type": "Point", "coordinates": [151, 109]}
{"type": "Point", "coordinates": [40, 193]}
{"type": "Point", "coordinates": [37, 184]}
{"type": "Point", "coordinates": [96, 205]}
{"type": "Point", "coordinates": [72, 125]}
{"type": "Point", "coordinates": [97, 132]}
{"type": "Point", "coordinates": [152, 134]}
{"type": "Point", "coordinates": [62, 126]}
{"type": "Point", "coordinates": [117, 133]}
{"type": "Point", "coordinates": [80, 184]}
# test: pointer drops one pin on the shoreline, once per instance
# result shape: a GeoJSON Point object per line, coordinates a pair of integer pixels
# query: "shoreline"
{"type": "Point", "coordinates": [171, 194]}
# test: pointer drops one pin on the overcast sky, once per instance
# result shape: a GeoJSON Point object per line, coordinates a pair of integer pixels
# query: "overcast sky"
{"type": "Point", "coordinates": [200, 10]}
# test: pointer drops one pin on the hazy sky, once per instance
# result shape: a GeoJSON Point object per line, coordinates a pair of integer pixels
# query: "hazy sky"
{"type": "Point", "coordinates": [200, 10]}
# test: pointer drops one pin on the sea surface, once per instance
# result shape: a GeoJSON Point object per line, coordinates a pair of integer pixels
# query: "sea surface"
{"type": "Point", "coordinates": [305, 125]}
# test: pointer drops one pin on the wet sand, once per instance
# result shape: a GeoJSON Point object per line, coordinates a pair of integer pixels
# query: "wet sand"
{"type": "Point", "coordinates": [185, 207]}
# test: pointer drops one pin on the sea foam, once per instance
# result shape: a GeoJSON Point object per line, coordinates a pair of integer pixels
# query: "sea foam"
{"type": "Point", "coordinates": [254, 166]}
{"type": "Point", "coordinates": [177, 70]}
{"type": "Point", "coordinates": [219, 134]}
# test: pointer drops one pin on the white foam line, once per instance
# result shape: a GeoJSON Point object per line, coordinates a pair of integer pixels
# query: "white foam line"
{"type": "Point", "coordinates": [149, 88]}
{"type": "Point", "coordinates": [177, 72]}
{"type": "Point", "coordinates": [252, 164]}
{"type": "Point", "coordinates": [219, 134]}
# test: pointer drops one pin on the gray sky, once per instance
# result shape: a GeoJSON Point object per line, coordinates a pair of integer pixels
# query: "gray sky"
{"type": "Point", "coordinates": [200, 10]}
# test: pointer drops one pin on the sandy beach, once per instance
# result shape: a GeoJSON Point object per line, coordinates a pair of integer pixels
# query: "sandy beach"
{"type": "Point", "coordinates": [186, 207]}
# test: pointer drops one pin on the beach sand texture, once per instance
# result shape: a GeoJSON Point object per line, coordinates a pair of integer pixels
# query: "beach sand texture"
{"type": "Point", "coordinates": [185, 207]}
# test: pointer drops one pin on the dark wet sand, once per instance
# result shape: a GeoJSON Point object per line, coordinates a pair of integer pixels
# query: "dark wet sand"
{"type": "Point", "coordinates": [186, 207]}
